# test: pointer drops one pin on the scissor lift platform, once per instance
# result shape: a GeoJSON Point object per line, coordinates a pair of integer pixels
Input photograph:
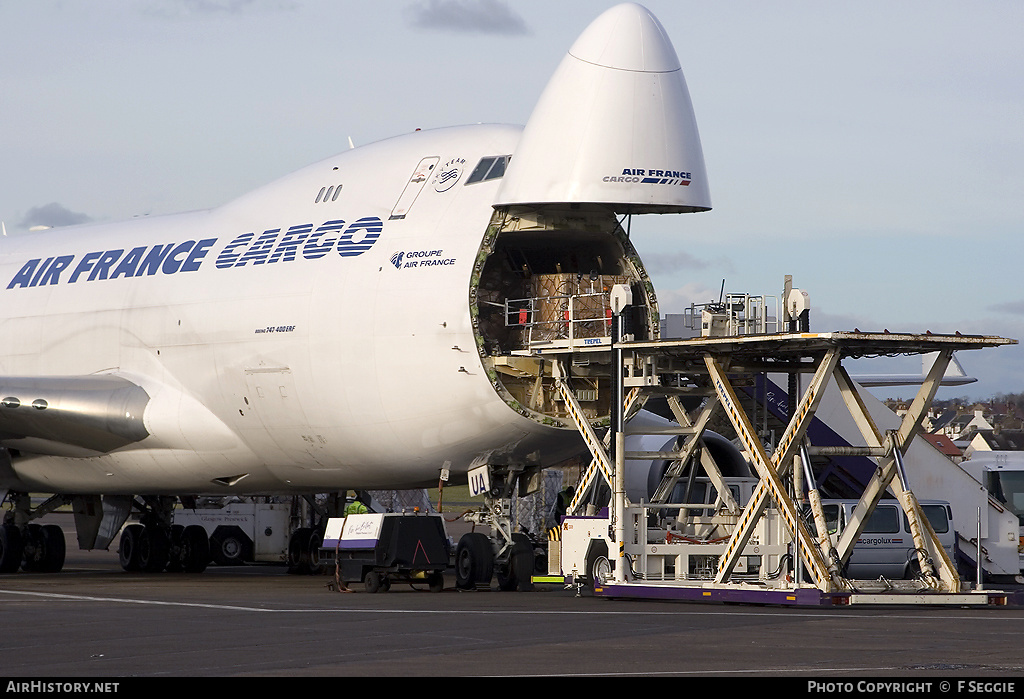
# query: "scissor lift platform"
{"type": "Point", "coordinates": [712, 367]}
{"type": "Point", "coordinates": [739, 593]}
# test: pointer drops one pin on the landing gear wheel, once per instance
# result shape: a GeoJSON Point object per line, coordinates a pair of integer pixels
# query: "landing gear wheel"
{"type": "Point", "coordinates": [174, 563]}
{"type": "Point", "coordinates": [11, 548]}
{"type": "Point", "coordinates": [54, 549]}
{"type": "Point", "coordinates": [304, 552]}
{"type": "Point", "coordinates": [154, 549]}
{"type": "Point", "coordinates": [298, 551]}
{"type": "Point", "coordinates": [474, 561]}
{"type": "Point", "coordinates": [515, 575]}
{"type": "Point", "coordinates": [195, 549]}
{"type": "Point", "coordinates": [316, 540]}
{"type": "Point", "coordinates": [32, 548]}
{"type": "Point", "coordinates": [189, 549]}
{"type": "Point", "coordinates": [523, 562]}
{"type": "Point", "coordinates": [128, 549]}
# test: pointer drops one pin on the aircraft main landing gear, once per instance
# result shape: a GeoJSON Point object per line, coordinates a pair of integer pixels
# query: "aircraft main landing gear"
{"type": "Point", "coordinates": [155, 545]}
{"type": "Point", "coordinates": [304, 551]}
{"type": "Point", "coordinates": [11, 549]}
{"type": "Point", "coordinates": [44, 548]}
{"type": "Point", "coordinates": [151, 549]}
{"type": "Point", "coordinates": [35, 548]}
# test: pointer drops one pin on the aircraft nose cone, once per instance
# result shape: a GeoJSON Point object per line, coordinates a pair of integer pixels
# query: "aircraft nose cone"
{"type": "Point", "coordinates": [613, 127]}
{"type": "Point", "coordinates": [627, 37]}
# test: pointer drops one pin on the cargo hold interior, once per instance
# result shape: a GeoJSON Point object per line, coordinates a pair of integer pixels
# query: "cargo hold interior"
{"type": "Point", "coordinates": [542, 280]}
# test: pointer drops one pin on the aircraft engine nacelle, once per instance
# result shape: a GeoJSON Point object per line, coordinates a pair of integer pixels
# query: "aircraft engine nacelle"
{"type": "Point", "coordinates": [74, 415]}
{"type": "Point", "coordinates": [644, 476]}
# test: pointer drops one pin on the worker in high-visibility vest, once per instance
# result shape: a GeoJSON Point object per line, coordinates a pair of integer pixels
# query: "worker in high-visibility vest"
{"type": "Point", "coordinates": [356, 508]}
{"type": "Point", "coordinates": [562, 502]}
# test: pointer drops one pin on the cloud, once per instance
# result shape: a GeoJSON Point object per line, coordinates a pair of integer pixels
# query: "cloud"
{"type": "Point", "coordinates": [824, 322]}
{"type": "Point", "coordinates": [1015, 307]}
{"type": "Point", "coordinates": [672, 262]}
{"type": "Point", "coordinates": [52, 215]}
{"type": "Point", "coordinates": [183, 8]}
{"type": "Point", "coordinates": [679, 299]}
{"type": "Point", "coordinates": [468, 16]}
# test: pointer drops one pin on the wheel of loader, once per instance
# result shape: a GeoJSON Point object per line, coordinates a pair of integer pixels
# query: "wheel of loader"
{"type": "Point", "coordinates": [601, 571]}
{"type": "Point", "coordinates": [595, 568]}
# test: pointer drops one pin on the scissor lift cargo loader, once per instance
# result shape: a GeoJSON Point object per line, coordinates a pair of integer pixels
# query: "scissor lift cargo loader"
{"type": "Point", "coordinates": [615, 552]}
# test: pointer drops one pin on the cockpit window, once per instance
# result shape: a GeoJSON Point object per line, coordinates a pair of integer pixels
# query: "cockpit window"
{"type": "Point", "coordinates": [480, 170]}
{"type": "Point", "coordinates": [489, 168]}
{"type": "Point", "coordinates": [498, 169]}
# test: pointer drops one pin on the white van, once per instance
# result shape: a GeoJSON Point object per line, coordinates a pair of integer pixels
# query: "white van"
{"type": "Point", "coordinates": [886, 547]}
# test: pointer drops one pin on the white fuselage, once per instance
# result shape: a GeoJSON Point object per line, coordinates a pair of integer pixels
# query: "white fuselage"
{"type": "Point", "coordinates": [348, 325]}
{"type": "Point", "coordinates": [307, 356]}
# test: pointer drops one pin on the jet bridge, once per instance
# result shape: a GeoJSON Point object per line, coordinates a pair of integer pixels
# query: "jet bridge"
{"type": "Point", "coordinates": [771, 543]}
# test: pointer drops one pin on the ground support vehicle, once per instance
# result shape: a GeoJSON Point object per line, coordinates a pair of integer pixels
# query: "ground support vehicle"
{"type": "Point", "coordinates": [380, 549]}
{"type": "Point", "coordinates": [1002, 474]}
{"type": "Point", "coordinates": [243, 532]}
{"type": "Point", "coordinates": [885, 548]}
{"type": "Point", "coordinates": [763, 546]}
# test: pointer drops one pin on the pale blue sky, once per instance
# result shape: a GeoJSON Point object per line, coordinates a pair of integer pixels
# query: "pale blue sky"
{"type": "Point", "coordinates": [874, 151]}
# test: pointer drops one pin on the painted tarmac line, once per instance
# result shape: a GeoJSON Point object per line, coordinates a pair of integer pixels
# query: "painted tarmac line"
{"type": "Point", "coordinates": [787, 613]}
